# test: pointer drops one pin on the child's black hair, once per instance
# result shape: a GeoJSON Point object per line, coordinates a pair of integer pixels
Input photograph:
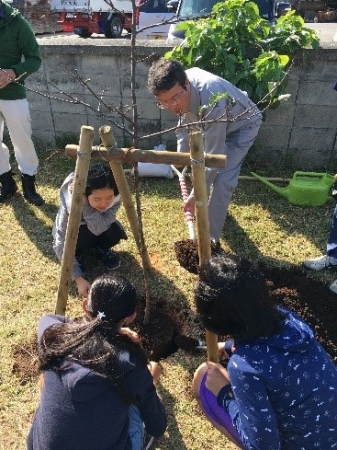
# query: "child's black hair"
{"type": "Point", "coordinates": [115, 295]}
{"type": "Point", "coordinates": [232, 298]}
{"type": "Point", "coordinates": [97, 343]}
{"type": "Point", "coordinates": [100, 176]}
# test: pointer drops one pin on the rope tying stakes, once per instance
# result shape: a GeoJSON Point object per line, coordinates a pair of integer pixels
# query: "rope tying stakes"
{"type": "Point", "coordinates": [197, 162]}
{"type": "Point", "coordinates": [134, 164]}
{"type": "Point", "coordinates": [98, 148]}
{"type": "Point", "coordinates": [126, 159]}
{"type": "Point", "coordinates": [84, 155]}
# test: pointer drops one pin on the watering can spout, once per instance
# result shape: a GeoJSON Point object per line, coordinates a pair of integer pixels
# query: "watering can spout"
{"type": "Point", "coordinates": [281, 191]}
{"type": "Point", "coordinates": [305, 188]}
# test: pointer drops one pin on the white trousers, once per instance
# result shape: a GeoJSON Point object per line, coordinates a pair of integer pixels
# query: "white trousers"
{"type": "Point", "coordinates": [17, 117]}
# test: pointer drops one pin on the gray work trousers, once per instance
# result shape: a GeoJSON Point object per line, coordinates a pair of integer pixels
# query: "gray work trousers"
{"type": "Point", "coordinates": [237, 145]}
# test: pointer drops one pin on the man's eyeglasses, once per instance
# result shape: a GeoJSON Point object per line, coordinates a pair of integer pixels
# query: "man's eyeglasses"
{"type": "Point", "coordinates": [172, 102]}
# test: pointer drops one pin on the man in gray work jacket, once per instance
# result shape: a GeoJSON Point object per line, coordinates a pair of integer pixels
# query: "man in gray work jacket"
{"type": "Point", "coordinates": [229, 125]}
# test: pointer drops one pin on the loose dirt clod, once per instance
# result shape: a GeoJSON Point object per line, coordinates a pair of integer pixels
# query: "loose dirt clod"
{"type": "Point", "coordinates": [310, 298]}
{"type": "Point", "coordinates": [170, 327]}
{"type": "Point", "coordinates": [187, 254]}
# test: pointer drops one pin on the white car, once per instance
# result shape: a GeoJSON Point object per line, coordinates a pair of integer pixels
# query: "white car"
{"type": "Point", "coordinates": [194, 9]}
{"type": "Point", "coordinates": [152, 12]}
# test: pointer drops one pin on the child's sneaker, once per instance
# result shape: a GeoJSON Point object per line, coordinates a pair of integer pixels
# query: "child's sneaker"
{"type": "Point", "coordinates": [333, 287]}
{"type": "Point", "coordinates": [148, 441]}
{"type": "Point", "coordinates": [321, 263]}
{"type": "Point", "coordinates": [109, 258]}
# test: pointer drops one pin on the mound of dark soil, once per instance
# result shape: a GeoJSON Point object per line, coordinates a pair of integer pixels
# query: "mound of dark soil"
{"type": "Point", "coordinates": [171, 327]}
{"type": "Point", "coordinates": [310, 299]}
{"type": "Point", "coordinates": [187, 254]}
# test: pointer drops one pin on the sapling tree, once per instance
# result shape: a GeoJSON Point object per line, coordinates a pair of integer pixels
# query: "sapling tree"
{"type": "Point", "coordinates": [235, 43]}
{"type": "Point", "coordinates": [123, 116]}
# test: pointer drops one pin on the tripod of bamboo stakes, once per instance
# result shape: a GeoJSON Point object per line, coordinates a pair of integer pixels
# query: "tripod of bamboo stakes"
{"type": "Point", "coordinates": [85, 151]}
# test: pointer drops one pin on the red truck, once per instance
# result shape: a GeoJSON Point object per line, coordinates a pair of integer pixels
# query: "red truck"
{"type": "Point", "coordinates": [85, 17]}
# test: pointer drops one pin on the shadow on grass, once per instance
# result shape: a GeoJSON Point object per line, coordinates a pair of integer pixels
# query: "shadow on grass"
{"type": "Point", "coordinates": [172, 323]}
{"type": "Point", "coordinates": [36, 228]}
{"type": "Point", "coordinates": [292, 219]}
{"type": "Point", "coordinates": [174, 440]}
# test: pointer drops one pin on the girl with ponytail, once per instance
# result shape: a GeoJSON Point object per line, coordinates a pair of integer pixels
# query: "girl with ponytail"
{"type": "Point", "coordinates": [97, 386]}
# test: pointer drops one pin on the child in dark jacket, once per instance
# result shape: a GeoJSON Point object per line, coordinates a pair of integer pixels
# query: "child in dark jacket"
{"type": "Point", "coordinates": [279, 390]}
{"type": "Point", "coordinates": [97, 389]}
{"type": "Point", "coordinates": [99, 230]}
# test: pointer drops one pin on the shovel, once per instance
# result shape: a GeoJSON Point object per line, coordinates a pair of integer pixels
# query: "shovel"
{"type": "Point", "coordinates": [187, 250]}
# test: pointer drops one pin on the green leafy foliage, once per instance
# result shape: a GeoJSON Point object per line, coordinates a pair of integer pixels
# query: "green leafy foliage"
{"type": "Point", "coordinates": [236, 43]}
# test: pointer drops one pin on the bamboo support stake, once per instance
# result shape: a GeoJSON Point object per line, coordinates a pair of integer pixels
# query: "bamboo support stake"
{"type": "Point", "coordinates": [117, 169]}
{"type": "Point", "coordinates": [80, 180]}
{"type": "Point", "coordinates": [202, 221]}
{"type": "Point", "coordinates": [150, 156]}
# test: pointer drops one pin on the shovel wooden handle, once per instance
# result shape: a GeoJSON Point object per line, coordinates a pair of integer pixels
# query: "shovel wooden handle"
{"type": "Point", "coordinates": [184, 193]}
{"type": "Point", "coordinates": [187, 212]}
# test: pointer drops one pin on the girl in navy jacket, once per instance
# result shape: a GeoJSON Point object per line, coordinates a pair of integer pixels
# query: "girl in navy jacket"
{"type": "Point", "coordinates": [98, 391]}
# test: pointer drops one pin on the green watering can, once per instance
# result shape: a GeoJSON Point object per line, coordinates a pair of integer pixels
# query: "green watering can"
{"type": "Point", "coordinates": [305, 188]}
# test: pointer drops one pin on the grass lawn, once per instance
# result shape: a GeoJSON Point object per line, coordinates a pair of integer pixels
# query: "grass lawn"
{"type": "Point", "coordinates": [261, 226]}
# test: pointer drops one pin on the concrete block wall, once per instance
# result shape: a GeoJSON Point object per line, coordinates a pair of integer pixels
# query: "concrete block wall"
{"type": "Point", "coordinates": [97, 74]}
{"type": "Point", "coordinates": [301, 131]}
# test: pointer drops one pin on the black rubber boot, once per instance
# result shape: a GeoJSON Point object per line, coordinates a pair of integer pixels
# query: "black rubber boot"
{"type": "Point", "coordinates": [29, 190]}
{"type": "Point", "coordinates": [8, 186]}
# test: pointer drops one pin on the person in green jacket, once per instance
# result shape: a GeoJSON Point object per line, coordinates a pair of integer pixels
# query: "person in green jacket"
{"type": "Point", "coordinates": [19, 57]}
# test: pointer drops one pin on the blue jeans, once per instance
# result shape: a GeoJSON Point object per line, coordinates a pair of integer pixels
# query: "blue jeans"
{"type": "Point", "coordinates": [331, 245]}
{"type": "Point", "coordinates": [136, 428]}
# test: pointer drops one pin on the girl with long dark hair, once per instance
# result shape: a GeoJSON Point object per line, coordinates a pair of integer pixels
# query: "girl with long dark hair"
{"type": "Point", "coordinates": [279, 390]}
{"type": "Point", "coordinates": [97, 387]}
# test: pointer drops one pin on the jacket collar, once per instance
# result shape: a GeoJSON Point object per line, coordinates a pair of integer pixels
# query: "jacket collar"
{"type": "Point", "coordinates": [2, 10]}
{"type": "Point", "coordinates": [8, 12]}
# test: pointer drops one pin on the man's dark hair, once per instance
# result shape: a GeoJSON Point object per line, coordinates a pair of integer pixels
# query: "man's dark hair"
{"type": "Point", "coordinates": [164, 74]}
